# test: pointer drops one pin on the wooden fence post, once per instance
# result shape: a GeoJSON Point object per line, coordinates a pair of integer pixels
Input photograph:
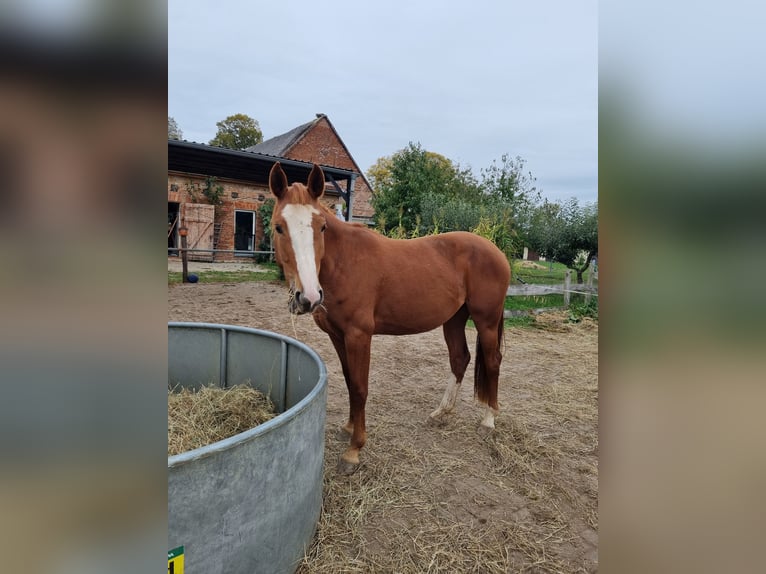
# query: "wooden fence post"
{"type": "Point", "coordinates": [590, 281]}
{"type": "Point", "coordinates": [567, 284]}
{"type": "Point", "coordinates": [183, 231]}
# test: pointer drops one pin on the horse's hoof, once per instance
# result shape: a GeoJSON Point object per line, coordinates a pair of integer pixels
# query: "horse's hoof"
{"type": "Point", "coordinates": [438, 421]}
{"type": "Point", "coordinates": [485, 432]}
{"type": "Point", "coordinates": [347, 468]}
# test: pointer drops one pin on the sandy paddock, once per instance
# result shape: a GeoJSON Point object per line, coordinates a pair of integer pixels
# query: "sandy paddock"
{"type": "Point", "coordinates": [445, 499]}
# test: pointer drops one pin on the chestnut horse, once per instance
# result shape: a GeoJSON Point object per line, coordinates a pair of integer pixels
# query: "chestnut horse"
{"type": "Point", "coordinates": [358, 283]}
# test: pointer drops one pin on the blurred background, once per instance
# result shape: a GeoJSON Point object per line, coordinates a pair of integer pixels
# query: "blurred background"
{"type": "Point", "coordinates": [82, 291]}
{"type": "Point", "coordinates": [683, 197]}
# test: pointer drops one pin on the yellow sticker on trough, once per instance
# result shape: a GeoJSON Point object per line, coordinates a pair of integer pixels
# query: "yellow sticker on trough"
{"type": "Point", "coordinates": [176, 561]}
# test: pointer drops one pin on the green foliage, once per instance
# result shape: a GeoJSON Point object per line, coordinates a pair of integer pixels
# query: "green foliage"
{"type": "Point", "coordinates": [418, 192]}
{"type": "Point", "coordinates": [531, 302]}
{"type": "Point", "coordinates": [402, 181]}
{"type": "Point", "coordinates": [498, 228]}
{"type": "Point", "coordinates": [566, 232]}
{"type": "Point", "coordinates": [212, 191]}
{"type": "Point", "coordinates": [265, 211]}
{"type": "Point", "coordinates": [508, 183]}
{"type": "Point", "coordinates": [450, 214]}
{"type": "Point", "coordinates": [520, 321]}
{"type": "Point", "coordinates": [398, 232]}
{"type": "Point", "coordinates": [549, 272]}
{"type": "Point", "coordinates": [194, 190]}
{"type": "Point", "coordinates": [174, 132]}
{"type": "Point", "coordinates": [379, 173]}
{"type": "Point", "coordinates": [239, 131]}
{"type": "Point", "coordinates": [507, 187]}
{"type": "Point", "coordinates": [579, 309]}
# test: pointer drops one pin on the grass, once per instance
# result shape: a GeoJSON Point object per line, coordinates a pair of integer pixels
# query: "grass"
{"type": "Point", "coordinates": [578, 309]}
{"type": "Point", "coordinates": [534, 302]}
{"type": "Point", "coordinates": [544, 273]}
{"type": "Point", "coordinates": [548, 273]}
{"type": "Point", "coordinates": [520, 321]}
{"type": "Point", "coordinates": [271, 273]}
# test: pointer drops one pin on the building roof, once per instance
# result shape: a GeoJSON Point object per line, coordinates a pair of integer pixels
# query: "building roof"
{"type": "Point", "coordinates": [206, 160]}
{"type": "Point", "coordinates": [278, 145]}
{"type": "Point", "coordinates": [281, 144]}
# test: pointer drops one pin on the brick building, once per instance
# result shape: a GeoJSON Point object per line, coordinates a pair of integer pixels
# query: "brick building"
{"type": "Point", "coordinates": [318, 142]}
{"type": "Point", "coordinates": [217, 193]}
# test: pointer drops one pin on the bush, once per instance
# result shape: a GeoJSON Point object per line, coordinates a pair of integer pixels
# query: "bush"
{"type": "Point", "coordinates": [265, 212]}
{"type": "Point", "coordinates": [579, 309]}
{"type": "Point", "coordinates": [452, 214]}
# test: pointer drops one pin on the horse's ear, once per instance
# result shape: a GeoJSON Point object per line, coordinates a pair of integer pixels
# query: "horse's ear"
{"type": "Point", "coordinates": [316, 182]}
{"type": "Point", "coordinates": [277, 181]}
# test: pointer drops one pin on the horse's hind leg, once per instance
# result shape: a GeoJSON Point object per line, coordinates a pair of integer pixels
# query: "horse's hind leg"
{"type": "Point", "coordinates": [459, 357]}
{"type": "Point", "coordinates": [488, 357]}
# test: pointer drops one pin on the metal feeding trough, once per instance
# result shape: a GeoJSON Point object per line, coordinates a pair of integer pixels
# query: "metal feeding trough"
{"type": "Point", "coordinates": [250, 503]}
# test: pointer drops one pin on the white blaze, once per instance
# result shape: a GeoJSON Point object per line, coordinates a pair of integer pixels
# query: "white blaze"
{"type": "Point", "coordinates": [298, 221]}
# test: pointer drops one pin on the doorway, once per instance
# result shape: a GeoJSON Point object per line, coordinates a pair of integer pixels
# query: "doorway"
{"type": "Point", "coordinates": [173, 218]}
{"type": "Point", "coordinates": [244, 231]}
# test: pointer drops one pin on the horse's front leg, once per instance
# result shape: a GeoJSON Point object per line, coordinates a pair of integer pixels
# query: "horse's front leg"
{"type": "Point", "coordinates": [358, 367]}
{"type": "Point", "coordinates": [340, 348]}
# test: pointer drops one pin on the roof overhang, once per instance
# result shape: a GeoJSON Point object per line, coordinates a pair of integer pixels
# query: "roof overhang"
{"type": "Point", "coordinates": [200, 159]}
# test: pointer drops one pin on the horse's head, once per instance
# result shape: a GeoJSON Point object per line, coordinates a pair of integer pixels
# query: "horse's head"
{"type": "Point", "coordinates": [298, 225]}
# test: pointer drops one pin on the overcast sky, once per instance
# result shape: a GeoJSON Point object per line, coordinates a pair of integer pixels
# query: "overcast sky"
{"type": "Point", "coordinates": [469, 80]}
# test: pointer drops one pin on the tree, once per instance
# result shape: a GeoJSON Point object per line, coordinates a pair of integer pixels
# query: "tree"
{"type": "Point", "coordinates": [403, 181]}
{"type": "Point", "coordinates": [511, 190]}
{"type": "Point", "coordinates": [416, 191]}
{"type": "Point", "coordinates": [174, 132]}
{"type": "Point", "coordinates": [566, 232]}
{"type": "Point", "coordinates": [379, 173]}
{"type": "Point", "coordinates": [239, 131]}
{"type": "Point", "coordinates": [450, 213]}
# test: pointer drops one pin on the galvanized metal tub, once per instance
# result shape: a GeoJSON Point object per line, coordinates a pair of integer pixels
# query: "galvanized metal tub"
{"type": "Point", "coordinates": [248, 504]}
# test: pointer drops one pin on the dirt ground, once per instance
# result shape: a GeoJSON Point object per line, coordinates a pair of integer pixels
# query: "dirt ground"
{"type": "Point", "coordinates": [445, 499]}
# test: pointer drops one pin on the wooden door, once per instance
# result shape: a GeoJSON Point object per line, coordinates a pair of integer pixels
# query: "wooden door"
{"type": "Point", "coordinates": [198, 219]}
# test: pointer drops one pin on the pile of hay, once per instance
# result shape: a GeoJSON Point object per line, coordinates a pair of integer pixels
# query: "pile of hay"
{"type": "Point", "coordinates": [201, 417]}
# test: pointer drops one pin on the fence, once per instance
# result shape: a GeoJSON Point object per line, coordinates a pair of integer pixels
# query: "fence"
{"type": "Point", "coordinates": [177, 251]}
{"type": "Point", "coordinates": [567, 288]}
{"type": "Point", "coordinates": [526, 290]}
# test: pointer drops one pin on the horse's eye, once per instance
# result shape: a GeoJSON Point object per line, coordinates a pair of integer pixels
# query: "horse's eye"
{"type": "Point", "coordinates": [278, 229]}
{"type": "Point", "coordinates": [324, 226]}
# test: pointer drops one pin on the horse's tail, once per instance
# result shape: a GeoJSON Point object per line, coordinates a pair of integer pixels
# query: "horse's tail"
{"type": "Point", "coordinates": [485, 389]}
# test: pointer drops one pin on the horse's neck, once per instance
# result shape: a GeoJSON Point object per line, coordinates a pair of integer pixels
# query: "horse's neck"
{"type": "Point", "coordinates": [339, 240]}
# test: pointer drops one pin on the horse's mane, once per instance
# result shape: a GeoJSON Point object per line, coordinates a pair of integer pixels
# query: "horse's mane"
{"type": "Point", "coordinates": [329, 212]}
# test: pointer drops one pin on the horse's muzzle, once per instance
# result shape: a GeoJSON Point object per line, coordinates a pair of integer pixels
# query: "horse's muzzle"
{"type": "Point", "coordinates": [300, 304]}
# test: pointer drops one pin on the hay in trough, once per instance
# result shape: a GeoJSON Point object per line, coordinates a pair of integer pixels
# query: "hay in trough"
{"type": "Point", "coordinates": [201, 417]}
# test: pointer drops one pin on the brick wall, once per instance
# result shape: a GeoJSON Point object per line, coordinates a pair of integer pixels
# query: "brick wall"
{"type": "Point", "coordinates": [321, 145]}
{"type": "Point", "coordinates": [248, 198]}
{"type": "Point", "coordinates": [236, 196]}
